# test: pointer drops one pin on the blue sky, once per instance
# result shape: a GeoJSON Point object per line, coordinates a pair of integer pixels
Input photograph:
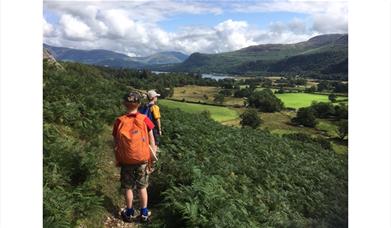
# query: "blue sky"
{"type": "Point", "coordinates": [260, 20]}
{"type": "Point", "coordinates": [140, 28]}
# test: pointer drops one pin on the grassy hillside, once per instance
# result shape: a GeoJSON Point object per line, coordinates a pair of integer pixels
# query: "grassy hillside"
{"type": "Point", "coordinates": [208, 175]}
{"type": "Point", "coordinates": [214, 175]}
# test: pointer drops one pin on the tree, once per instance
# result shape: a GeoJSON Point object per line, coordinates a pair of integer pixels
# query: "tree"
{"type": "Point", "coordinates": [267, 83]}
{"type": "Point", "coordinates": [340, 87]}
{"type": "Point", "coordinates": [280, 90]}
{"type": "Point", "coordinates": [265, 101]}
{"type": "Point", "coordinates": [252, 86]}
{"type": "Point", "coordinates": [343, 128]}
{"type": "Point", "coordinates": [341, 112]}
{"type": "Point", "coordinates": [227, 83]}
{"type": "Point", "coordinates": [305, 117]}
{"type": "Point", "coordinates": [250, 118]}
{"type": "Point", "coordinates": [332, 97]}
{"type": "Point", "coordinates": [312, 89]}
{"type": "Point", "coordinates": [145, 74]}
{"type": "Point", "coordinates": [219, 98]}
{"type": "Point", "coordinates": [171, 93]}
{"type": "Point", "coordinates": [323, 109]}
{"type": "Point", "coordinates": [164, 92]}
{"type": "Point", "coordinates": [323, 85]}
{"type": "Point", "coordinates": [246, 92]}
{"type": "Point", "coordinates": [226, 92]}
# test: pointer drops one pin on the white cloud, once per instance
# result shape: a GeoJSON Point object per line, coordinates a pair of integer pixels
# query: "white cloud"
{"type": "Point", "coordinates": [48, 29]}
{"type": "Point", "coordinates": [131, 27]}
{"type": "Point", "coordinates": [328, 16]}
{"type": "Point", "coordinates": [75, 29]}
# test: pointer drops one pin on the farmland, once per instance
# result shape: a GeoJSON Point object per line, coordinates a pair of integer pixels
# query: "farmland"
{"type": "Point", "coordinates": [299, 100]}
{"type": "Point", "coordinates": [206, 93]}
{"type": "Point", "coordinates": [217, 113]}
{"type": "Point", "coordinates": [278, 123]}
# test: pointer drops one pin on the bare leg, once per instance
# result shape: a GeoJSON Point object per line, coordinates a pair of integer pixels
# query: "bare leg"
{"type": "Point", "coordinates": [129, 198]}
{"type": "Point", "coordinates": [143, 194]}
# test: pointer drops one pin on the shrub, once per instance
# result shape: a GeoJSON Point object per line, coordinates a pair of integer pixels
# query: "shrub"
{"type": "Point", "coordinates": [219, 98]}
{"type": "Point", "coordinates": [341, 112]}
{"type": "Point", "coordinates": [323, 109]}
{"type": "Point", "coordinates": [235, 175]}
{"type": "Point", "coordinates": [250, 118]}
{"type": "Point", "coordinates": [246, 92]}
{"type": "Point", "coordinates": [311, 89]}
{"type": "Point", "coordinates": [265, 101]}
{"type": "Point", "coordinates": [324, 143]}
{"type": "Point", "coordinates": [164, 92]}
{"type": "Point", "coordinates": [226, 92]}
{"type": "Point", "coordinates": [305, 117]}
{"type": "Point", "coordinates": [332, 97]}
{"type": "Point", "coordinates": [280, 91]}
{"type": "Point", "coordinates": [343, 129]}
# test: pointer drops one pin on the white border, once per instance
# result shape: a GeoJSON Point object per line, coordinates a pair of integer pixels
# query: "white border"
{"type": "Point", "coordinates": [21, 113]}
{"type": "Point", "coordinates": [369, 113]}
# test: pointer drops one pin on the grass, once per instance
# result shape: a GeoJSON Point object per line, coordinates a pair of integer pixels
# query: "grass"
{"type": "Point", "coordinates": [195, 93]}
{"type": "Point", "coordinates": [299, 100]}
{"type": "Point", "coordinates": [204, 94]}
{"type": "Point", "coordinates": [277, 123]}
{"type": "Point", "coordinates": [280, 123]}
{"type": "Point", "coordinates": [328, 127]}
{"type": "Point", "coordinates": [220, 114]}
{"type": "Point", "coordinates": [340, 149]}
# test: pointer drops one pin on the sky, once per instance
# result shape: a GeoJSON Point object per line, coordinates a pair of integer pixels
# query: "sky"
{"type": "Point", "coordinates": [144, 27]}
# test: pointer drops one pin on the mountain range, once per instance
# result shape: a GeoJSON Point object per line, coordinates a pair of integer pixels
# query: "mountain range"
{"type": "Point", "coordinates": [320, 55]}
{"type": "Point", "coordinates": [324, 54]}
{"type": "Point", "coordinates": [113, 59]}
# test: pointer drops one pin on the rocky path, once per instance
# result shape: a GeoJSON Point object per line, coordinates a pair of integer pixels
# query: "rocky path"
{"type": "Point", "coordinates": [116, 221]}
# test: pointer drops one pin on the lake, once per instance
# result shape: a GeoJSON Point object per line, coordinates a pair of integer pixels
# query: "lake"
{"type": "Point", "coordinates": [216, 76]}
{"type": "Point", "coordinates": [212, 76]}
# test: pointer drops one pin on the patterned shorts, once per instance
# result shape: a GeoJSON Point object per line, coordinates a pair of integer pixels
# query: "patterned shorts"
{"type": "Point", "coordinates": [134, 176]}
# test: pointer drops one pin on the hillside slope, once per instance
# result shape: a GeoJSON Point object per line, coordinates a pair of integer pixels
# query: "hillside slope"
{"type": "Point", "coordinates": [208, 175]}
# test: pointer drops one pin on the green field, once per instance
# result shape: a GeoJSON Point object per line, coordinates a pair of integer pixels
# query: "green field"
{"type": "Point", "coordinates": [218, 113]}
{"type": "Point", "coordinates": [299, 100]}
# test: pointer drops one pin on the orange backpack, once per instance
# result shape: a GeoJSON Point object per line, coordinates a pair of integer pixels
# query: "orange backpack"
{"type": "Point", "coordinates": [132, 140]}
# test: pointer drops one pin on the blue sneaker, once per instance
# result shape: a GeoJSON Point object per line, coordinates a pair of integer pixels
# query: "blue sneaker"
{"type": "Point", "coordinates": [145, 215]}
{"type": "Point", "coordinates": [126, 217]}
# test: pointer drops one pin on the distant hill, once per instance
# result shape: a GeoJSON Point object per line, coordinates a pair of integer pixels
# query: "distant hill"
{"type": "Point", "coordinates": [113, 59]}
{"type": "Point", "coordinates": [167, 57]}
{"type": "Point", "coordinates": [316, 55]}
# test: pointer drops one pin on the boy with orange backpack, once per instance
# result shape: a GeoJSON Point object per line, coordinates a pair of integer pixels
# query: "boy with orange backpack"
{"type": "Point", "coordinates": [134, 143]}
